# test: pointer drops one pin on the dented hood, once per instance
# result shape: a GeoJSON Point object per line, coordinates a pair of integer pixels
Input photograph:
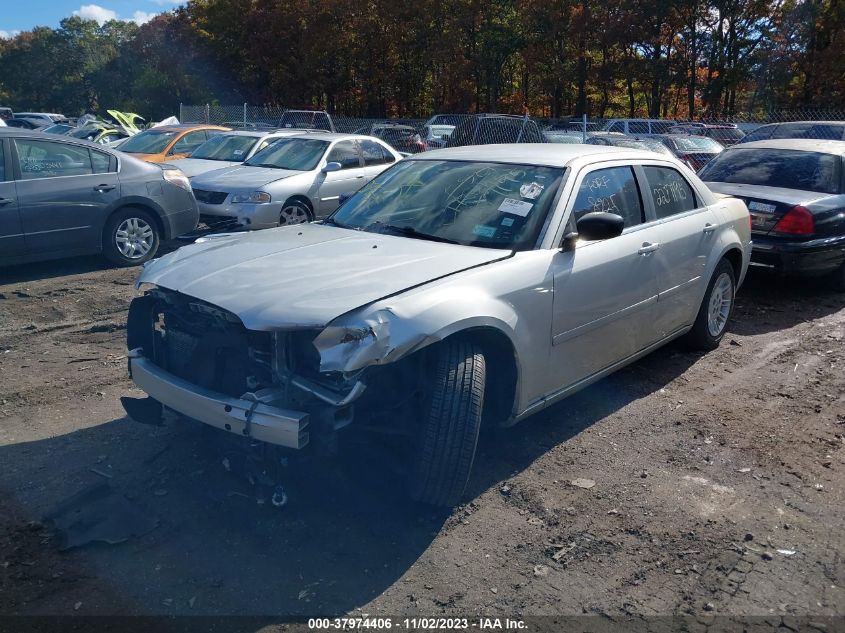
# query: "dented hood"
{"type": "Point", "coordinates": [240, 178]}
{"type": "Point", "coordinates": [306, 275]}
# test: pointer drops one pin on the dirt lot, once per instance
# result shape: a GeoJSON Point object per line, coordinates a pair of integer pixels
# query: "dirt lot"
{"type": "Point", "coordinates": [718, 484]}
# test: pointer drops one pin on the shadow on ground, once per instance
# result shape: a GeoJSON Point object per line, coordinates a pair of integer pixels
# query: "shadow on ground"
{"type": "Point", "coordinates": [346, 535]}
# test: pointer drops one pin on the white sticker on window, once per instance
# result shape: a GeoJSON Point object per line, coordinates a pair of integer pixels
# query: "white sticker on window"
{"type": "Point", "coordinates": [531, 190]}
{"type": "Point", "coordinates": [238, 152]}
{"type": "Point", "coordinates": [507, 221]}
{"type": "Point", "coordinates": [517, 207]}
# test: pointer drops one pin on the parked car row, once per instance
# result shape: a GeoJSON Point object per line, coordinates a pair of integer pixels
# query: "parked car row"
{"type": "Point", "coordinates": [252, 179]}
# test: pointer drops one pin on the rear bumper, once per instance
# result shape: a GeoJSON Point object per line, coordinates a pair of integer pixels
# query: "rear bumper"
{"type": "Point", "coordinates": [268, 423]}
{"type": "Point", "coordinates": [811, 258]}
{"type": "Point", "coordinates": [181, 222]}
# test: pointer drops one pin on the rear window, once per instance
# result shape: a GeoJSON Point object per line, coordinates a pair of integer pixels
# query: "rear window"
{"type": "Point", "coordinates": [661, 127]}
{"type": "Point", "coordinates": [725, 134]}
{"type": "Point", "coordinates": [787, 168]}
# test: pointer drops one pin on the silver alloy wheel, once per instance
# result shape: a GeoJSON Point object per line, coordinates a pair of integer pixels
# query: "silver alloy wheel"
{"type": "Point", "coordinates": [292, 214]}
{"type": "Point", "coordinates": [134, 238]}
{"type": "Point", "coordinates": [719, 308]}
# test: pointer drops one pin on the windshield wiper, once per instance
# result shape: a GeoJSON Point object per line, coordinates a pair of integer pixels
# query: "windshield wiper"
{"type": "Point", "coordinates": [410, 231]}
{"type": "Point", "coordinates": [340, 225]}
{"type": "Point", "coordinates": [270, 165]}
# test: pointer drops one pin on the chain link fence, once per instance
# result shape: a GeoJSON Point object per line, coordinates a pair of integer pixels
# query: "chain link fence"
{"type": "Point", "coordinates": [413, 135]}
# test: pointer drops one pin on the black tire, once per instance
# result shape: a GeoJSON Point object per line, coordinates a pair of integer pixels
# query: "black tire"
{"type": "Point", "coordinates": [294, 212]}
{"type": "Point", "coordinates": [145, 225]}
{"type": "Point", "coordinates": [702, 336]}
{"type": "Point", "coordinates": [449, 425]}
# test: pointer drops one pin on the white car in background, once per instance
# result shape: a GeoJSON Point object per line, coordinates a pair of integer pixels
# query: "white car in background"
{"type": "Point", "coordinates": [460, 284]}
{"type": "Point", "coordinates": [228, 149]}
{"type": "Point", "coordinates": [293, 180]}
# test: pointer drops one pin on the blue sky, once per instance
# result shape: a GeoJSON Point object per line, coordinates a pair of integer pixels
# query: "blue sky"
{"type": "Point", "coordinates": [23, 15]}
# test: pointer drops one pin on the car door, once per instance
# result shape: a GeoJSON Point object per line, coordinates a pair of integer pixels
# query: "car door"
{"type": "Point", "coordinates": [377, 158]}
{"type": "Point", "coordinates": [64, 192]}
{"type": "Point", "coordinates": [12, 241]}
{"type": "Point", "coordinates": [605, 291]}
{"type": "Point", "coordinates": [347, 180]}
{"type": "Point", "coordinates": [686, 232]}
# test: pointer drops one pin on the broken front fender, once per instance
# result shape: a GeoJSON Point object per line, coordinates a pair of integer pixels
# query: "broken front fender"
{"type": "Point", "coordinates": [392, 329]}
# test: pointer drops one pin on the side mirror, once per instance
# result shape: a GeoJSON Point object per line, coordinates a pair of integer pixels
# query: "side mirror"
{"type": "Point", "coordinates": [600, 226]}
{"type": "Point", "coordinates": [330, 167]}
{"type": "Point", "coordinates": [343, 198]}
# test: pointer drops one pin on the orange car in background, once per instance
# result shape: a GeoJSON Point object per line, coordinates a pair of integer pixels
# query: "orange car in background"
{"type": "Point", "coordinates": [169, 142]}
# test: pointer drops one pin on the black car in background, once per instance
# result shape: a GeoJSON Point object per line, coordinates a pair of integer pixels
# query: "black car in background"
{"type": "Point", "coordinates": [402, 138]}
{"type": "Point", "coordinates": [61, 197]}
{"type": "Point", "coordinates": [795, 193]}
{"type": "Point", "coordinates": [822, 130]}
{"type": "Point", "coordinates": [488, 129]}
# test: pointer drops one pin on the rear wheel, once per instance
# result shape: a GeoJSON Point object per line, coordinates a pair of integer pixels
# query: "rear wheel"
{"type": "Point", "coordinates": [716, 309]}
{"type": "Point", "coordinates": [131, 237]}
{"type": "Point", "coordinates": [449, 424]}
{"type": "Point", "coordinates": [294, 212]}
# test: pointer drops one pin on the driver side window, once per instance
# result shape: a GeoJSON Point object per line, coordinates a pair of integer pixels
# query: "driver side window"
{"type": "Point", "coordinates": [345, 153]}
{"type": "Point", "coordinates": [612, 190]}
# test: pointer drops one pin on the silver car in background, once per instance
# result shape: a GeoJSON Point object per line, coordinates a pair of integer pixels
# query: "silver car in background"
{"type": "Point", "coordinates": [461, 285]}
{"type": "Point", "coordinates": [294, 180]}
{"type": "Point", "coordinates": [228, 149]}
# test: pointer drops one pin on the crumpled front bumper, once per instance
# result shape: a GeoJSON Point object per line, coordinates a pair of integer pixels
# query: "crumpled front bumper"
{"type": "Point", "coordinates": [267, 423]}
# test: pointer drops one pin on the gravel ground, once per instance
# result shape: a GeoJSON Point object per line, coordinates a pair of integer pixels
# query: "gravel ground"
{"type": "Point", "coordinates": [684, 484]}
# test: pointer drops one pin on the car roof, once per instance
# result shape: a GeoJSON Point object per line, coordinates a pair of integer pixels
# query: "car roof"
{"type": "Point", "coordinates": [180, 127]}
{"type": "Point", "coordinates": [802, 144]}
{"type": "Point", "coordinates": [839, 123]}
{"type": "Point", "coordinates": [37, 134]}
{"type": "Point", "coordinates": [547, 154]}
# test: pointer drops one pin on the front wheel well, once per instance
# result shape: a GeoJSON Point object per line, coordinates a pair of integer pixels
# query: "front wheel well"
{"type": "Point", "coordinates": [502, 375]}
{"type": "Point", "coordinates": [304, 200]}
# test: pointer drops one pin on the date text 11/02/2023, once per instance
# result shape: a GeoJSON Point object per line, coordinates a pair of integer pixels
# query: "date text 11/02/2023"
{"type": "Point", "coordinates": [415, 624]}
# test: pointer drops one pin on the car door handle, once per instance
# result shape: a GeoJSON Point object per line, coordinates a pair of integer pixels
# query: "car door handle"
{"type": "Point", "coordinates": [5, 201]}
{"type": "Point", "coordinates": [103, 188]}
{"type": "Point", "coordinates": [361, 176]}
{"type": "Point", "coordinates": [647, 248]}
{"type": "Point", "coordinates": [709, 228]}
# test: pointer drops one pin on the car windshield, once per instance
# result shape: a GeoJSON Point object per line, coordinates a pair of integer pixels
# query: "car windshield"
{"type": "Point", "coordinates": [148, 142]}
{"type": "Point", "coordinates": [296, 154]}
{"type": "Point", "coordinates": [490, 205]}
{"type": "Point", "coordinates": [222, 147]}
{"type": "Point", "coordinates": [787, 168]}
{"type": "Point", "coordinates": [647, 144]}
{"type": "Point", "coordinates": [695, 144]}
{"type": "Point", "coordinates": [571, 139]}
{"type": "Point", "coordinates": [58, 128]}
{"type": "Point", "coordinates": [86, 131]}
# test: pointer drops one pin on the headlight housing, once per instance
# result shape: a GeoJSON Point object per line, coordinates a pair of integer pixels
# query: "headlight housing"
{"type": "Point", "coordinates": [176, 177]}
{"type": "Point", "coordinates": [257, 197]}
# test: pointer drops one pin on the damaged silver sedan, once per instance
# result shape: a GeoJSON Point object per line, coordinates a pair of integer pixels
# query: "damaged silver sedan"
{"type": "Point", "coordinates": [460, 288]}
